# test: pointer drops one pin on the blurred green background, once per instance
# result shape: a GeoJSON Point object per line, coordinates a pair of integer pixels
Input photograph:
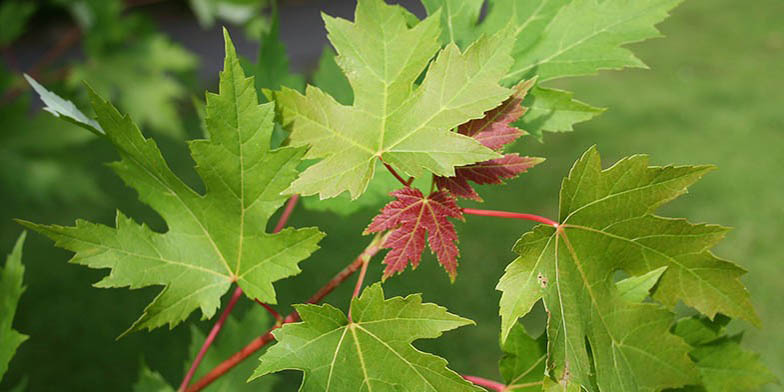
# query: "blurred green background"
{"type": "Point", "coordinates": [714, 94]}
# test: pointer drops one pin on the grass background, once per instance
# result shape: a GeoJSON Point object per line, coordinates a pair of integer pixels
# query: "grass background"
{"type": "Point", "coordinates": [714, 95]}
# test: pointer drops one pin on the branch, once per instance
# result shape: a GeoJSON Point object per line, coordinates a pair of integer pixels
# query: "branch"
{"type": "Point", "coordinates": [210, 338]}
{"type": "Point", "coordinates": [236, 296]}
{"type": "Point", "coordinates": [511, 215]}
{"type": "Point", "coordinates": [489, 384]}
{"type": "Point", "coordinates": [372, 249]}
{"type": "Point", "coordinates": [271, 311]}
{"type": "Point", "coordinates": [399, 178]}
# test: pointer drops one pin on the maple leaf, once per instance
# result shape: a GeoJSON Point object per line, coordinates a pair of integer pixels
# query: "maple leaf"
{"type": "Point", "coordinates": [606, 224]}
{"type": "Point", "coordinates": [494, 131]}
{"type": "Point", "coordinates": [408, 127]}
{"type": "Point", "coordinates": [523, 363]}
{"type": "Point", "coordinates": [11, 289]}
{"type": "Point", "coordinates": [723, 364]}
{"type": "Point", "coordinates": [371, 352]}
{"type": "Point", "coordinates": [410, 217]}
{"type": "Point", "coordinates": [213, 239]}
{"type": "Point", "coordinates": [555, 39]}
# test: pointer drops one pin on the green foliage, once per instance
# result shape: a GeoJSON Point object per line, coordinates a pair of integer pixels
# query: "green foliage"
{"type": "Point", "coordinates": [606, 224]}
{"type": "Point", "coordinates": [555, 39]}
{"type": "Point", "coordinates": [724, 366]}
{"type": "Point", "coordinates": [213, 239]}
{"type": "Point", "coordinates": [11, 289]}
{"type": "Point", "coordinates": [13, 17]}
{"type": "Point", "coordinates": [232, 338]}
{"type": "Point", "coordinates": [372, 350]}
{"type": "Point", "coordinates": [389, 119]}
{"type": "Point", "coordinates": [523, 363]}
{"type": "Point", "coordinates": [140, 79]}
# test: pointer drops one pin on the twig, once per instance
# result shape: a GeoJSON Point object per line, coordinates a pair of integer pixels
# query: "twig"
{"type": "Point", "coordinates": [286, 213]}
{"type": "Point", "coordinates": [511, 215]}
{"type": "Point", "coordinates": [273, 312]}
{"type": "Point", "coordinates": [489, 384]}
{"type": "Point", "coordinates": [399, 178]}
{"type": "Point", "coordinates": [373, 248]}
{"type": "Point", "coordinates": [211, 337]}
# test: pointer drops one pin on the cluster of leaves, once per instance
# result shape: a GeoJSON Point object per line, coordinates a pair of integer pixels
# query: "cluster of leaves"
{"type": "Point", "coordinates": [429, 99]}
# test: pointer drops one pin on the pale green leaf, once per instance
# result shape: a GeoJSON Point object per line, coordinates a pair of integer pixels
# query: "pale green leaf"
{"type": "Point", "coordinates": [371, 353]}
{"type": "Point", "coordinates": [553, 110]}
{"type": "Point", "coordinates": [330, 79]}
{"type": "Point", "coordinates": [555, 39]}
{"type": "Point", "coordinates": [606, 225]}
{"type": "Point", "coordinates": [408, 127]}
{"type": "Point", "coordinates": [458, 18]}
{"type": "Point", "coordinates": [63, 108]}
{"type": "Point", "coordinates": [637, 288]}
{"type": "Point", "coordinates": [723, 364]}
{"type": "Point", "coordinates": [585, 36]}
{"type": "Point", "coordinates": [523, 363]}
{"type": "Point", "coordinates": [213, 240]}
{"type": "Point", "coordinates": [11, 289]}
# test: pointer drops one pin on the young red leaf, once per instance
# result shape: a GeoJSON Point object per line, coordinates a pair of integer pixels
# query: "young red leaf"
{"type": "Point", "coordinates": [488, 172]}
{"type": "Point", "coordinates": [494, 131]}
{"type": "Point", "coordinates": [411, 216]}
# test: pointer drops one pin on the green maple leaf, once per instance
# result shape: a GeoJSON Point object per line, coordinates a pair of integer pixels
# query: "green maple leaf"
{"type": "Point", "coordinates": [11, 289]}
{"type": "Point", "coordinates": [606, 224]}
{"type": "Point", "coordinates": [554, 110]}
{"type": "Point", "coordinates": [213, 239]}
{"type": "Point", "coordinates": [556, 39]}
{"type": "Point", "coordinates": [408, 127]}
{"type": "Point", "coordinates": [523, 363]}
{"type": "Point", "coordinates": [371, 353]}
{"type": "Point", "coordinates": [724, 366]}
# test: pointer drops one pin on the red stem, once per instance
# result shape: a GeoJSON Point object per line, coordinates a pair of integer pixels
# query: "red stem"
{"type": "Point", "coordinates": [511, 215]}
{"type": "Point", "coordinates": [261, 341]}
{"type": "Point", "coordinates": [284, 217]}
{"type": "Point", "coordinates": [286, 213]}
{"type": "Point", "coordinates": [211, 337]}
{"type": "Point", "coordinates": [399, 178]}
{"type": "Point", "coordinates": [273, 312]}
{"type": "Point", "coordinates": [358, 286]}
{"type": "Point", "coordinates": [489, 384]}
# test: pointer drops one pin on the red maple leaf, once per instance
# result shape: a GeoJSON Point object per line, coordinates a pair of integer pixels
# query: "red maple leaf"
{"type": "Point", "coordinates": [494, 131]}
{"type": "Point", "coordinates": [411, 216]}
{"type": "Point", "coordinates": [488, 172]}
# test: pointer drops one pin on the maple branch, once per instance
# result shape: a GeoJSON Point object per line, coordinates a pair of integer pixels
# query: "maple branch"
{"type": "Point", "coordinates": [399, 178]}
{"type": "Point", "coordinates": [372, 249]}
{"type": "Point", "coordinates": [489, 384]}
{"type": "Point", "coordinates": [284, 217]}
{"type": "Point", "coordinates": [273, 312]}
{"type": "Point", "coordinates": [211, 337]}
{"type": "Point", "coordinates": [511, 215]}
